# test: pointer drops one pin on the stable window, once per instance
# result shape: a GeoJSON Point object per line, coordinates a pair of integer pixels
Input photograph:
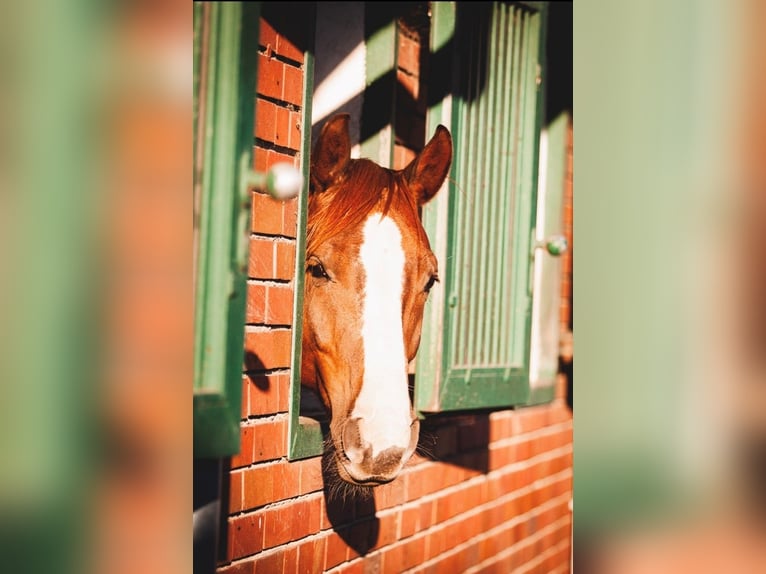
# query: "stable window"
{"type": "Point", "coordinates": [486, 86]}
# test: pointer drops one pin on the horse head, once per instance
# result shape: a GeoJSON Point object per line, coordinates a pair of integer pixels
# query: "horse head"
{"type": "Point", "coordinates": [369, 268]}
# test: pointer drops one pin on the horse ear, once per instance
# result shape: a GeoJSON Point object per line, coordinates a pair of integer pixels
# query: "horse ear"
{"type": "Point", "coordinates": [331, 153]}
{"type": "Point", "coordinates": [427, 171]}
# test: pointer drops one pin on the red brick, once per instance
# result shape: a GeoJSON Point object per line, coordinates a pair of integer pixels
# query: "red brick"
{"type": "Point", "coordinates": [267, 350]}
{"type": "Point", "coordinates": [290, 223]}
{"type": "Point", "coordinates": [306, 517]}
{"type": "Point", "coordinates": [370, 564]}
{"type": "Point", "coordinates": [409, 523]}
{"type": "Point", "coordinates": [271, 562]}
{"type": "Point", "coordinates": [437, 544]}
{"type": "Point", "coordinates": [258, 487]}
{"type": "Point", "coordinates": [262, 263]}
{"type": "Point", "coordinates": [285, 260]}
{"type": "Point", "coordinates": [488, 547]}
{"type": "Point", "coordinates": [291, 560]}
{"type": "Point", "coordinates": [265, 120]}
{"type": "Point", "coordinates": [457, 502]}
{"type": "Point", "coordinates": [288, 49]}
{"type": "Point", "coordinates": [274, 157]}
{"type": "Point", "coordinates": [311, 556]}
{"type": "Point", "coordinates": [310, 475]}
{"type": "Point", "coordinates": [388, 529]}
{"type": "Point", "coordinates": [390, 495]}
{"type": "Point", "coordinates": [337, 551]}
{"type": "Point", "coordinates": [256, 303]}
{"type": "Point", "coordinates": [499, 426]}
{"type": "Point", "coordinates": [412, 552]}
{"type": "Point", "coordinates": [239, 568]}
{"type": "Point", "coordinates": [427, 511]}
{"type": "Point", "coordinates": [291, 521]}
{"type": "Point", "coordinates": [267, 35]}
{"type": "Point", "coordinates": [269, 394]}
{"type": "Point", "coordinates": [260, 159]}
{"type": "Point", "coordinates": [245, 535]}
{"type": "Point", "coordinates": [270, 77]}
{"type": "Point", "coordinates": [315, 504]}
{"type": "Point", "coordinates": [235, 492]}
{"type": "Point", "coordinates": [293, 85]}
{"type": "Point", "coordinates": [269, 440]}
{"type": "Point", "coordinates": [282, 134]}
{"type": "Point", "coordinates": [245, 410]}
{"type": "Point", "coordinates": [295, 140]}
{"type": "Point", "coordinates": [278, 525]}
{"type": "Point", "coordinates": [270, 483]}
{"type": "Point", "coordinates": [392, 561]}
{"type": "Point", "coordinates": [280, 305]}
{"type": "Point", "coordinates": [324, 520]}
{"type": "Point", "coordinates": [266, 215]}
{"type": "Point", "coordinates": [245, 455]}
{"type": "Point", "coordinates": [429, 478]}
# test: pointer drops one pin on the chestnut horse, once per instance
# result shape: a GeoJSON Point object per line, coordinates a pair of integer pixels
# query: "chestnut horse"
{"type": "Point", "coordinates": [369, 268]}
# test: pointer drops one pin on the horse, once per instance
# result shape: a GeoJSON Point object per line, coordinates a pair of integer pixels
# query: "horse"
{"type": "Point", "coordinates": [369, 269]}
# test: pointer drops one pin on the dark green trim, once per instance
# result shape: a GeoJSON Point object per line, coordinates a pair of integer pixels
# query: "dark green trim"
{"type": "Point", "coordinates": [223, 240]}
{"type": "Point", "coordinates": [305, 435]}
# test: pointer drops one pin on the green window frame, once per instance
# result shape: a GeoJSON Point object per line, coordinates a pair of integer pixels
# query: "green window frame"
{"type": "Point", "coordinates": [225, 50]}
{"type": "Point", "coordinates": [475, 347]}
{"type": "Point", "coordinates": [305, 434]}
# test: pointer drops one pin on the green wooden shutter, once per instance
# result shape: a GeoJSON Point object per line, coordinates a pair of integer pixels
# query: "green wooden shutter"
{"type": "Point", "coordinates": [476, 332]}
{"type": "Point", "coordinates": [226, 47]}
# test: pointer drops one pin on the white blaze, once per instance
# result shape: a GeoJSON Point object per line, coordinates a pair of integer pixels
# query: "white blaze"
{"type": "Point", "coordinates": [383, 403]}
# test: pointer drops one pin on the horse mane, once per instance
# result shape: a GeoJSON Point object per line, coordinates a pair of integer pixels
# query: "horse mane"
{"type": "Point", "coordinates": [359, 190]}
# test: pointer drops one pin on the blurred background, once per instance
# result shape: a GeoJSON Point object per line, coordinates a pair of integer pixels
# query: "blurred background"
{"type": "Point", "coordinates": [95, 236]}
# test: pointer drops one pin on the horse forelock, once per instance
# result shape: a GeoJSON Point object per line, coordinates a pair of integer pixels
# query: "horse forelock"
{"type": "Point", "coordinates": [361, 189]}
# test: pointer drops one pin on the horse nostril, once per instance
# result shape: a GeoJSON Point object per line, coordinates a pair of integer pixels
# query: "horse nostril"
{"type": "Point", "coordinates": [388, 461]}
{"type": "Point", "coordinates": [353, 446]}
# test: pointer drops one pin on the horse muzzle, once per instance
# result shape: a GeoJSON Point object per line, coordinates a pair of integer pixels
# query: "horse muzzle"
{"type": "Point", "coordinates": [363, 462]}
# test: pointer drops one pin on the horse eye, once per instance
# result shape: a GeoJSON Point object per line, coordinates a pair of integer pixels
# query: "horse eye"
{"type": "Point", "coordinates": [317, 270]}
{"type": "Point", "coordinates": [433, 279]}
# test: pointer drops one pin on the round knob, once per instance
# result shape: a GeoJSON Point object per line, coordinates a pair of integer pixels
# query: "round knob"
{"type": "Point", "coordinates": [283, 181]}
{"type": "Point", "coordinates": [555, 245]}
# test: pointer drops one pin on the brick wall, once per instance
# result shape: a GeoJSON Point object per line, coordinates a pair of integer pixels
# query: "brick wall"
{"type": "Point", "coordinates": [490, 494]}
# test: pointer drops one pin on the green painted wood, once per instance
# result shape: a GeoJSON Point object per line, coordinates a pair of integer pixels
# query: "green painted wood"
{"type": "Point", "coordinates": [306, 439]}
{"type": "Point", "coordinates": [221, 264]}
{"type": "Point", "coordinates": [479, 331]}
